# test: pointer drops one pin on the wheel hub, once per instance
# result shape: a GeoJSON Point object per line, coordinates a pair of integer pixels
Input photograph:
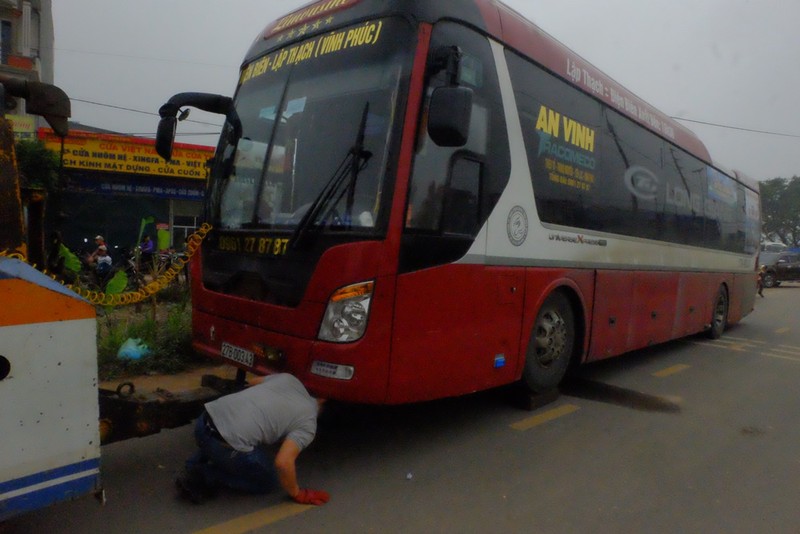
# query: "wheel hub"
{"type": "Point", "coordinates": [551, 338]}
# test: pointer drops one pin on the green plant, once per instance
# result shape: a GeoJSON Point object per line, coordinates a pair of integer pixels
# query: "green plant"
{"type": "Point", "coordinates": [37, 164]}
{"type": "Point", "coordinates": [173, 342]}
{"type": "Point", "coordinates": [110, 338]}
{"type": "Point", "coordinates": [168, 335]}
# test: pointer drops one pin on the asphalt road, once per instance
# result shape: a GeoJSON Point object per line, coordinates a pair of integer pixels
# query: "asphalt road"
{"type": "Point", "coordinates": [692, 436]}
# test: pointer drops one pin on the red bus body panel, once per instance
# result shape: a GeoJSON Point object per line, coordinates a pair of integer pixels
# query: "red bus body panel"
{"type": "Point", "coordinates": [483, 303]}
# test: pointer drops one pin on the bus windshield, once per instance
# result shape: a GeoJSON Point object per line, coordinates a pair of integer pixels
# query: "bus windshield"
{"type": "Point", "coordinates": [314, 126]}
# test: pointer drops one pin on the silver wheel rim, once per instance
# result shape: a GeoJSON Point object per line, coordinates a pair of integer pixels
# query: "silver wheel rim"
{"type": "Point", "coordinates": [719, 311]}
{"type": "Point", "coordinates": [551, 338]}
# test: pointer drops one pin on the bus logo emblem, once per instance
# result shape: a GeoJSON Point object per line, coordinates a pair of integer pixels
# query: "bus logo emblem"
{"type": "Point", "coordinates": [642, 182]}
{"type": "Point", "coordinates": [517, 226]}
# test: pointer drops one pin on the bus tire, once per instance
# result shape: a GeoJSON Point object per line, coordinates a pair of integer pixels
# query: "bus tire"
{"type": "Point", "coordinates": [551, 345]}
{"type": "Point", "coordinates": [719, 314]}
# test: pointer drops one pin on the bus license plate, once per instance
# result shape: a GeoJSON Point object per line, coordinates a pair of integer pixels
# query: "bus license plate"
{"type": "Point", "coordinates": [237, 354]}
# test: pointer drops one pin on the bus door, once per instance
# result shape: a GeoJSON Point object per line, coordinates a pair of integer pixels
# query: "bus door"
{"type": "Point", "coordinates": [456, 320]}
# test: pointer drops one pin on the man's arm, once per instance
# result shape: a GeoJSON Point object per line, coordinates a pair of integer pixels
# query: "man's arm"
{"type": "Point", "coordinates": [287, 475]}
{"type": "Point", "coordinates": [285, 465]}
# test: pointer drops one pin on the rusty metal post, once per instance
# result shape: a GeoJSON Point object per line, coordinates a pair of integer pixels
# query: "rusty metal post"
{"type": "Point", "coordinates": [11, 223]}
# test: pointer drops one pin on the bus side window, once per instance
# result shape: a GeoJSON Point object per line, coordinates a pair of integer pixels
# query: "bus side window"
{"type": "Point", "coordinates": [453, 190]}
{"type": "Point", "coordinates": [461, 213]}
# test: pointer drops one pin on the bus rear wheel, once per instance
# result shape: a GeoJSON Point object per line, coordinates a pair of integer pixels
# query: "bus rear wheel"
{"type": "Point", "coordinates": [551, 344]}
{"type": "Point", "coordinates": [719, 317]}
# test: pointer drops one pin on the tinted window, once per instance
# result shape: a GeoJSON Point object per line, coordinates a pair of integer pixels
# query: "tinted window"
{"type": "Point", "coordinates": [560, 127]}
{"type": "Point", "coordinates": [461, 213]}
{"type": "Point", "coordinates": [593, 168]}
{"type": "Point", "coordinates": [301, 117]}
{"type": "Point", "coordinates": [453, 190]}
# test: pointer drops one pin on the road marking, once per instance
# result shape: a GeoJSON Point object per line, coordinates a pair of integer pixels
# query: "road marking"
{"type": "Point", "coordinates": [783, 352]}
{"type": "Point", "coordinates": [791, 351]}
{"type": "Point", "coordinates": [675, 369]}
{"type": "Point", "coordinates": [262, 518]}
{"type": "Point", "coordinates": [733, 344]}
{"type": "Point", "coordinates": [545, 417]}
{"type": "Point", "coordinates": [741, 339]}
{"type": "Point", "coordinates": [738, 347]}
{"type": "Point", "coordinates": [782, 330]}
{"type": "Point", "coordinates": [782, 357]}
{"type": "Point", "coordinates": [714, 344]}
{"type": "Point", "coordinates": [727, 345]}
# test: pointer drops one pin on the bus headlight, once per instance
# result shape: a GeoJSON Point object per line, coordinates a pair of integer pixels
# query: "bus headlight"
{"type": "Point", "coordinates": [346, 316]}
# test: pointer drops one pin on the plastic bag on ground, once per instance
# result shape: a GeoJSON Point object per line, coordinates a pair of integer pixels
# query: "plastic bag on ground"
{"type": "Point", "coordinates": [133, 349]}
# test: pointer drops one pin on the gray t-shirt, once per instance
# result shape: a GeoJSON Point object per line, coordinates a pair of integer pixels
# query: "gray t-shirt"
{"type": "Point", "coordinates": [276, 409]}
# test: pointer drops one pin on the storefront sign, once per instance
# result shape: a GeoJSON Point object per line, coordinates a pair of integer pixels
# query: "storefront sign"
{"type": "Point", "coordinates": [172, 189]}
{"type": "Point", "coordinates": [24, 127]}
{"type": "Point", "coordinates": [89, 151]}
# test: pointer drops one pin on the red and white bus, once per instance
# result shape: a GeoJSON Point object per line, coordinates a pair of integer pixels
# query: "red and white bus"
{"type": "Point", "coordinates": [414, 200]}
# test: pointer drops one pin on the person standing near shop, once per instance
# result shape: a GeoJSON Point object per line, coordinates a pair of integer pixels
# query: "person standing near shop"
{"type": "Point", "coordinates": [103, 262]}
{"type": "Point", "coordinates": [99, 242]}
{"type": "Point", "coordinates": [148, 249]}
{"type": "Point", "coordinates": [233, 434]}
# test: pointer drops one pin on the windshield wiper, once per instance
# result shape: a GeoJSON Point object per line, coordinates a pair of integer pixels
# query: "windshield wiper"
{"type": "Point", "coordinates": [346, 173]}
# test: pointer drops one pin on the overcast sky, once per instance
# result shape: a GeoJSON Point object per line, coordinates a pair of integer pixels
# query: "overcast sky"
{"type": "Point", "coordinates": [728, 62]}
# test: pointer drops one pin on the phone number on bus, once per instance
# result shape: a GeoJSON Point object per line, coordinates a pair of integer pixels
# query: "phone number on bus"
{"type": "Point", "coordinates": [268, 246]}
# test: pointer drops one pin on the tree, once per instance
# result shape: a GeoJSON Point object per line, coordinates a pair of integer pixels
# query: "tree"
{"type": "Point", "coordinates": [780, 209]}
{"type": "Point", "coordinates": [38, 166]}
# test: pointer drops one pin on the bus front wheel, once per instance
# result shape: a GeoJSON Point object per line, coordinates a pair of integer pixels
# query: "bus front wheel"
{"type": "Point", "coordinates": [550, 346]}
{"type": "Point", "coordinates": [719, 317]}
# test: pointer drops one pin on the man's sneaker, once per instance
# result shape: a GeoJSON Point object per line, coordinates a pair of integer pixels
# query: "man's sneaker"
{"type": "Point", "coordinates": [191, 487]}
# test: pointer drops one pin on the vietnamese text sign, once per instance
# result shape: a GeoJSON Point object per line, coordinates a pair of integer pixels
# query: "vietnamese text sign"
{"type": "Point", "coordinates": [131, 155]}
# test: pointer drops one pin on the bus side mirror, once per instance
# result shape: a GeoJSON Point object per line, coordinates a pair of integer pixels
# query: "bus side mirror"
{"type": "Point", "coordinates": [171, 113]}
{"type": "Point", "coordinates": [165, 136]}
{"type": "Point", "coordinates": [449, 116]}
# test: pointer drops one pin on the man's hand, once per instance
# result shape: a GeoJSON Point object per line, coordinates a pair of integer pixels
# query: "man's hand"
{"type": "Point", "coordinates": [309, 496]}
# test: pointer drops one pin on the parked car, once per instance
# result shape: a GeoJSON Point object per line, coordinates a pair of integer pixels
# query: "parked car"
{"type": "Point", "coordinates": [785, 269]}
{"type": "Point", "coordinates": [773, 246]}
{"type": "Point", "coordinates": [769, 258]}
{"type": "Point", "coordinates": [770, 252]}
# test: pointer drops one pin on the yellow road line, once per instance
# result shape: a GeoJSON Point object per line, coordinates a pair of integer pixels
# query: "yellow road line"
{"type": "Point", "coordinates": [782, 330]}
{"type": "Point", "coordinates": [671, 370]}
{"type": "Point", "coordinates": [789, 347]}
{"type": "Point", "coordinates": [544, 417]}
{"type": "Point", "coordinates": [249, 522]}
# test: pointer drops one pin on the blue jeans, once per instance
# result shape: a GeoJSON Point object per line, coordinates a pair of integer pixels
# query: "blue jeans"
{"type": "Point", "coordinates": [219, 464]}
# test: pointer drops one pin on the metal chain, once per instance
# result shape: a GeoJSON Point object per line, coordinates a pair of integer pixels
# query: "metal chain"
{"type": "Point", "coordinates": [132, 297]}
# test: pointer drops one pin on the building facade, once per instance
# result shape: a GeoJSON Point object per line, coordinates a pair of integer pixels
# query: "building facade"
{"type": "Point", "coordinates": [113, 185]}
{"type": "Point", "coordinates": [26, 52]}
{"type": "Point", "coordinates": [119, 187]}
